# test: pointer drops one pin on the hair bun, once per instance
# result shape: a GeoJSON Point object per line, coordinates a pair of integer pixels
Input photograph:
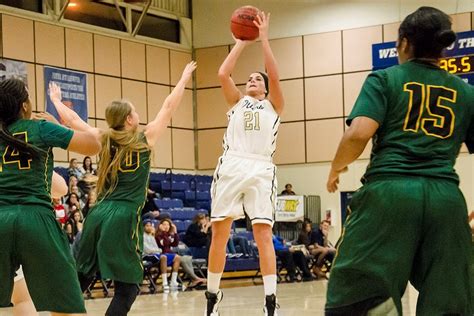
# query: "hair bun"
{"type": "Point", "coordinates": [445, 37]}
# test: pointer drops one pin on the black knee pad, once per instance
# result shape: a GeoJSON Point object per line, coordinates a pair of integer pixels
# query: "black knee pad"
{"type": "Point", "coordinates": [125, 295]}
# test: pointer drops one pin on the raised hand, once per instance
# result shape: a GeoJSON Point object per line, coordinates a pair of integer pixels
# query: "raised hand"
{"type": "Point", "coordinates": [238, 41]}
{"type": "Point", "coordinates": [188, 70]}
{"type": "Point", "coordinates": [54, 91]}
{"type": "Point", "coordinates": [262, 22]}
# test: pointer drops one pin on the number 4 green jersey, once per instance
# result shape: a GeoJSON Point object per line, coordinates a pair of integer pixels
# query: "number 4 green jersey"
{"type": "Point", "coordinates": [424, 113]}
{"type": "Point", "coordinates": [24, 180]}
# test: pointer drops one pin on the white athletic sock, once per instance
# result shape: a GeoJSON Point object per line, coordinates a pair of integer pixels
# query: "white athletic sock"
{"type": "Point", "coordinates": [269, 284]}
{"type": "Point", "coordinates": [174, 277]}
{"type": "Point", "coordinates": [213, 281]}
{"type": "Point", "coordinates": [164, 277]}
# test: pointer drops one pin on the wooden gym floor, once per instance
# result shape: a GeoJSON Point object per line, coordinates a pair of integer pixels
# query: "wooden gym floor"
{"type": "Point", "coordinates": [241, 298]}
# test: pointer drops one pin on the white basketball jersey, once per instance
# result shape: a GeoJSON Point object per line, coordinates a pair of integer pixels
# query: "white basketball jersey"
{"type": "Point", "coordinates": [253, 127]}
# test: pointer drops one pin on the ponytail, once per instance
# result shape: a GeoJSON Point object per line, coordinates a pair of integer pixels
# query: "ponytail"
{"type": "Point", "coordinates": [116, 143]}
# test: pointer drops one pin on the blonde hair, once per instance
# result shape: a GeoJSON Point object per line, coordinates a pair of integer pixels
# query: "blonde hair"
{"type": "Point", "coordinates": [116, 143]}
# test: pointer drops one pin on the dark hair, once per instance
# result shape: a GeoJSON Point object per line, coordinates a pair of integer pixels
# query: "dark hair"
{"type": "Point", "coordinates": [265, 79]}
{"type": "Point", "coordinates": [305, 223]}
{"type": "Point", "coordinates": [198, 217]}
{"type": "Point", "coordinates": [13, 94]}
{"type": "Point", "coordinates": [428, 30]}
{"type": "Point", "coordinates": [89, 169]}
{"type": "Point", "coordinates": [166, 220]}
{"type": "Point", "coordinates": [68, 202]}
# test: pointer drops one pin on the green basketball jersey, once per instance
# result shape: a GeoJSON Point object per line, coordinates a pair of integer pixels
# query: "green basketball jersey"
{"type": "Point", "coordinates": [425, 115]}
{"type": "Point", "coordinates": [24, 180]}
{"type": "Point", "coordinates": [132, 182]}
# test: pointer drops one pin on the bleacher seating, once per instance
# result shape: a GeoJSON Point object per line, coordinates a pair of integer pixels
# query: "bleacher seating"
{"type": "Point", "coordinates": [167, 203]}
{"type": "Point", "coordinates": [203, 186]}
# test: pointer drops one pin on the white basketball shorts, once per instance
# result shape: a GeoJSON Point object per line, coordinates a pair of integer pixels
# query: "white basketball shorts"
{"type": "Point", "coordinates": [244, 184]}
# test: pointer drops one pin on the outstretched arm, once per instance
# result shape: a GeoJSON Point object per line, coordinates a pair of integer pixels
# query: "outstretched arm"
{"type": "Point", "coordinates": [155, 128]}
{"type": "Point", "coordinates": [68, 116]}
{"type": "Point", "coordinates": [351, 147]}
{"type": "Point", "coordinates": [275, 94]}
{"type": "Point", "coordinates": [231, 93]}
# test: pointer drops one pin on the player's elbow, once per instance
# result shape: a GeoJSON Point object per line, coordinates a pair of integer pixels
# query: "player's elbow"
{"type": "Point", "coordinates": [222, 74]}
{"type": "Point", "coordinates": [362, 129]}
{"type": "Point", "coordinates": [85, 143]}
{"type": "Point", "coordinates": [358, 135]}
{"type": "Point", "coordinates": [92, 148]}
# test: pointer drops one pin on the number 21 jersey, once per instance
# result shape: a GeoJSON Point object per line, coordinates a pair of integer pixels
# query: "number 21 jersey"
{"type": "Point", "coordinates": [253, 127]}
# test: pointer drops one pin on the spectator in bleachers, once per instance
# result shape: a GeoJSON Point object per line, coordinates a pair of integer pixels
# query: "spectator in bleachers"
{"type": "Point", "coordinates": [167, 237]}
{"type": "Point", "coordinates": [91, 201]}
{"type": "Point", "coordinates": [72, 203]}
{"type": "Point", "coordinates": [75, 189]}
{"type": "Point", "coordinates": [291, 259]}
{"type": "Point", "coordinates": [288, 190]}
{"type": "Point", "coordinates": [60, 211]}
{"type": "Point", "coordinates": [87, 167]}
{"type": "Point", "coordinates": [151, 251]}
{"type": "Point", "coordinates": [74, 169]}
{"type": "Point", "coordinates": [319, 253]}
{"type": "Point", "coordinates": [72, 182]}
{"type": "Point", "coordinates": [304, 238]}
{"type": "Point", "coordinates": [149, 242]}
{"type": "Point", "coordinates": [68, 229]}
{"type": "Point", "coordinates": [75, 218]}
{"type": "Point", "coordinates": [322, 248]}
{"type": "Point", "coordinates": [198, 233]}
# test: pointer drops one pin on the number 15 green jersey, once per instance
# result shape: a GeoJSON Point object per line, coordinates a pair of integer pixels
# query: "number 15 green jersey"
{"type": "Point", "coordinates": [424, 116]}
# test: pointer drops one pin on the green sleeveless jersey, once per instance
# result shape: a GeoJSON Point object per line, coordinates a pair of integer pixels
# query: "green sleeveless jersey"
{"type": "Point", "coordinates": [133, 175]}
{"type": "Point", "coordinates": [424, 115]}
{"type": "Point", "coordinates": [24, 180]}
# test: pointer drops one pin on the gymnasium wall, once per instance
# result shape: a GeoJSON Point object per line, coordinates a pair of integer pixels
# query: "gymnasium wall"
{"type": "Point", "coordinates": [116, 68]}
{"type": "Point", "coordinates": [321, 76]}
{"type": "Point", "coordinates": [302, 17]}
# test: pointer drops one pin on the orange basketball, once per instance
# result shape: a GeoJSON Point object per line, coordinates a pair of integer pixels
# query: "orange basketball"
{"type": "Point", "coordinates": [241, 23]}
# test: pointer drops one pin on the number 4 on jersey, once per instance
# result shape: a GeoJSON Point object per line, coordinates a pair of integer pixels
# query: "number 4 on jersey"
{"type": "Point", "coordinates": [11, 155]}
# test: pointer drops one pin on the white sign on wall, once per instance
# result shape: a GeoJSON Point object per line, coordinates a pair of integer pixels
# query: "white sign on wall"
{"type": "Point", "coordinates": [290, 208]}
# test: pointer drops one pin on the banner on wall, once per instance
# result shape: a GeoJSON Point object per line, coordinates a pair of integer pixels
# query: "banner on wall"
{"type": "Point", "coordinates": [13, 69]}
{"type": "Point", "coordinates": [73, 87]}
{"type": "Point", "coordinates": [458, 60]}
{"type": "Point", "coordinates": [290, 208]}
